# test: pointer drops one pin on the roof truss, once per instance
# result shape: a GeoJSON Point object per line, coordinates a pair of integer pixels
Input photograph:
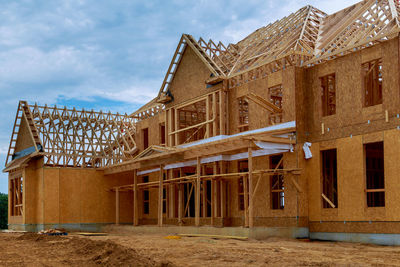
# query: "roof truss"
{"type": "Point", "coordinates": [73, 138]}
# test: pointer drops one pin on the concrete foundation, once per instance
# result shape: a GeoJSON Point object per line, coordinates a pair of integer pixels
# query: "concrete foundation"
{"type": "Point", "coordinates": [256, 232]}
{"type": "Point", "coordinates": [378, 239]}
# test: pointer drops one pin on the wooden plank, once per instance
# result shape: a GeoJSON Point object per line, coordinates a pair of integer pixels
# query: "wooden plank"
{"type": "Point", "coordinates": [246, 203]}
{"type": "Point", "coordinates": [328, 201]}
{"type": "Point", "coordinates": [208, 117]}
{"type": "Point", "coordinates": [214, 195]}
{"type": "Point", "coordinates": [215, 236]}
{"type": "Point", "coordinates": [176, 119]}
{"type": "Point", "coordinates": [135, 199]}
{"type": "Point", "coordinates": [197, 199]}
{"type": "Point", "coordinates": [251, 198]}
{"type": "Point", "coordinates": [221, 113]}
{"type": "Point", "coordinates": [214, 114]}
{"type": "Point", "coordinates": [180, 198]}
{"type": "Point", "coordinates": [204, 198]}
{"type": "Point", "coordinates": [160, 197]}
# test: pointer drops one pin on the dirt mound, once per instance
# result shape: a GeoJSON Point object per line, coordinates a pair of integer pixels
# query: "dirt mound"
{"type": "Point", "coordinates": [37, 237]}
{"type": "Point", "coordinates": [107, 253]}
{"type": "Point", "coordinates": [80, 251]}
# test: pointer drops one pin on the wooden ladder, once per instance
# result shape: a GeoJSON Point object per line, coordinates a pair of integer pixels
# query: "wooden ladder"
{"type": "Point", "coordinates": [31, 124]}
{"type": "Point", "coordinates": [176, 59]}
{"type": "Point", "coordinates": [13, 142]}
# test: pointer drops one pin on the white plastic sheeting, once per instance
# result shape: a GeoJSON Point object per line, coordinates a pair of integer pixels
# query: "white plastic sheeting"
{"type": "Point", "coordinates": [280, 126]}
{"type": "Point", "coordinates": [148, 171]}
{"type": "Point", "coordinates": [307, 151]}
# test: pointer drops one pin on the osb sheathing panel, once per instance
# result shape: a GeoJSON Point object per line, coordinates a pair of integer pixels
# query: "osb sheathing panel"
{"type": "Point", "coordinates": [392, 171]}
{"type": "Point", "coordinates": [76, 196]}
{"type": "Point", "coordinates": [51, 195]}
{"type": "Point", "coordinates": [351, 179]}
{"type": "Point", "coordinates": [153, 197]}
{"type": "Point", "coordinates": [258, 116]}
{"type": "Point", "coordinates": [32, 198]}
{"type": "Point", "coordinates": [351, 117]}
{"type": "Point", "coordinates": [311, 173]}
{"type": "Point", "coordinates": [24, 139]}
{"type": "Point", "coordinates": [153, 124]}
{"type": "Point", "coordinates": [189, 79]}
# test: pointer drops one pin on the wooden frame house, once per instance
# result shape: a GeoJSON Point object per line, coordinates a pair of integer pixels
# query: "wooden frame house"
{"type": "Point", "coordinates": [292, 131]}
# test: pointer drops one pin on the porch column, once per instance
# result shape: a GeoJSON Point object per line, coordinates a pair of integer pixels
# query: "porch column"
{"type": "Point", "coordinates": [251, 197]}
{"type": "Point", "coordinates": [135, 200]}
{"type": "Point", "coordinates": [160, 197]}
{"type": "Point", "coordinates": [197, 200]}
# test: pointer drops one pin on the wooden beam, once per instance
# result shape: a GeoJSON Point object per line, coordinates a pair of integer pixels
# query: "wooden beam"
{"type": "Point", "coordinates": [214, 195]}
{"type": "Point", "coordinates": [135, 199]}
{"type": "Point", "coordinates": [160, 196]}
{"type": "Point", "coordinates": [328, 201]}
{"type": "Point", "coordinates": [251, 198]}
{"type": "Point", "coordinates": [197, 199]}
{"type": "Point", "coordinates": [246, 203]}
{"type": "Point", "coordinates": [180, 198]}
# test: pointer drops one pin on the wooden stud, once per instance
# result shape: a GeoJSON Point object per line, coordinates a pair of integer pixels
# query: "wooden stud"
{"type": "Point", "coordinates": [160, 196]}
{"type": "Point", "coordinates": [251, 199]}
{"type": "Point", "coordinates": [197, 199]}
{"type": "Point", "coordinates": [135, 199]}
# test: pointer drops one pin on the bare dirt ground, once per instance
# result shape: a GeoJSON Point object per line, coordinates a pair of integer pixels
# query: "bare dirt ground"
{"type": "Point", "coordinates": [156, 250]}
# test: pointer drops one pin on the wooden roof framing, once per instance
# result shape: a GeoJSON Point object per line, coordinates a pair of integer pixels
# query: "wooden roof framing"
{"type": "Point", "coordinates": [304, 38]}
{"type": "Point", "coordinates": [76, 138]}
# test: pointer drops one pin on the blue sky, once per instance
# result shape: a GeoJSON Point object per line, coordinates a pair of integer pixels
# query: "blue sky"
{"type": "Point", "coordinates": [111, 55]}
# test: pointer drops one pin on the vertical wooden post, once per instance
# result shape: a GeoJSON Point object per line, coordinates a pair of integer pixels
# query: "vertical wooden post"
{"type": "Point", "coordinates": [222, 191]}
{"type": "Point", "coordinates": [170, 127]}
{"type": "Point", "coordinates": [208, 116]}
{"type": "Point", "coordinates": [197, 200]}
{"type": "Point", "coordinates": [135, 199]}
{"type": "Point", "coordinates": [180, 199]}
{"type": "Point", "coordinates": [176, 118]}
{"type": "Point", "coordinates": [214, 113]}
{"type": "Point", "coordinates": [214, 194]}
{"type": "Point", "coordinates": [172, 203]}
{"type": "Point", "coordinates": [166, 128]}
{"type": "Point", "coordinates": [203, 195]}
{"type": "Point", "coordinates": [251, 197]}
{"type": "Point", "coordinates": [117, 206]}
{"type": "Point", "coordinates": [160, 197]}
{"type": "Point", "coordinates": [246, 199]}
{"type": "Point", "coordinates": [222, 115]}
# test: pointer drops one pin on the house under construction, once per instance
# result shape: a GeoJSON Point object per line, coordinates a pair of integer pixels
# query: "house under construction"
{"type": "Point", "coordinates": [294, 130]}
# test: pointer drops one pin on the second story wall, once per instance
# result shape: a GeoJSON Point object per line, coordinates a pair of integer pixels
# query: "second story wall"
{"type": "Point", "coordinates": [264, 87]}
{"type": "Point", "coordinates": [353, 115]}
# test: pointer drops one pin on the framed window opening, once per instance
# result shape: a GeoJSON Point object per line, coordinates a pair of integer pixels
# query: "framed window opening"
{"type": "Point", "coordinates": [243, 109]}
{"type": "Point", "coordinates": [329, 178]}
{"type": "Point", "coordinates": [146, 197]}
{"type": "Point", "coordinates": [16, 196]}
{"type": "Point", "coordinates": [375, 175]}
{"type": "Point", "coordinates": [328, 94]}
{"type": "Point", "coordinates": [275, 94]}
{"type": "Point", "coordinates": [372, 80]}
{"type": "Point", "coordinates": [277, 188]}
